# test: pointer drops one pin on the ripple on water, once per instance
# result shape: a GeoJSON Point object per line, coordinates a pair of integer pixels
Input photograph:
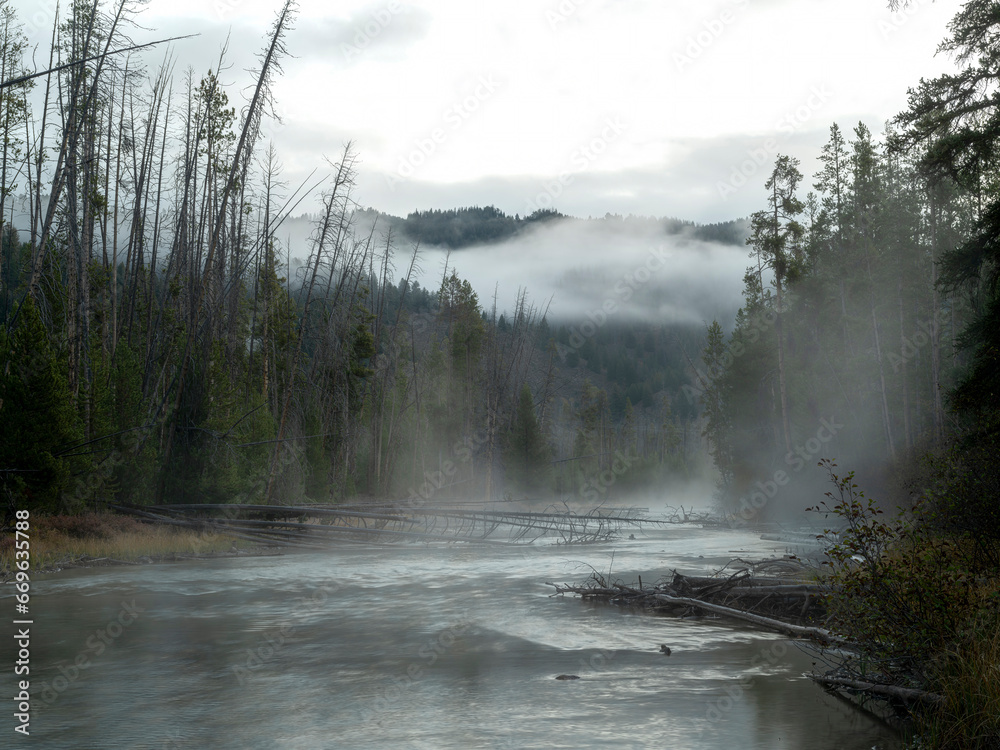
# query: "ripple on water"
{"type": "Point", "coordinates": [447, 647]}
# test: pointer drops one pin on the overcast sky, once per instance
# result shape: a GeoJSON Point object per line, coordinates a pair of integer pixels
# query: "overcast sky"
{"type": "Point", "coordinates": [649, 107]}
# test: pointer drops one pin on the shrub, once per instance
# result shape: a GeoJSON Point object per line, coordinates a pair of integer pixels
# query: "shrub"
{"type": "Point", "coordinates": [902, 595]}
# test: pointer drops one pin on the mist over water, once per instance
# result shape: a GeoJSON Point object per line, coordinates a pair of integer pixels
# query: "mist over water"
{"type": "Point", "coordinates": [422, 646]}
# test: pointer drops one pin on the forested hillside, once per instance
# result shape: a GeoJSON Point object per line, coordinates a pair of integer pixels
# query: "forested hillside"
{"type": "Point", "coordinates": [462, 227]}
{"type": "Point", "coordinates": [159, 342]}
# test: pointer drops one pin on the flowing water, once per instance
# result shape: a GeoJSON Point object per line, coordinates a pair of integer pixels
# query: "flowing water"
{"type": "Point", "coordinates": [415, 647]}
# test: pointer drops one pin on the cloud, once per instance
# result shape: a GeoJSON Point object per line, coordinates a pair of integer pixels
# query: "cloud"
{"type": "Point", "coordinates": [685, 183]}
{"type": "Point", "coordinates": [612, 268]}
{"type": "Point", "coordinates": [381, 31]}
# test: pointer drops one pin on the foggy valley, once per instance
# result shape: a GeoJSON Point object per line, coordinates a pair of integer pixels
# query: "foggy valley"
{"type": "Point", "coordinates": [578, 374]}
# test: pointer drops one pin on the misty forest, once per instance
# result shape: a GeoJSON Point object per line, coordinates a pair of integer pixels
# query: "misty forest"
{"type": "Point", "coordinates": [165, 341]}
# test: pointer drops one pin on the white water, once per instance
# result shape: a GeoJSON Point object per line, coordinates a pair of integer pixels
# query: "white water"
{"type": "Point", "coordinates": [416, 647]}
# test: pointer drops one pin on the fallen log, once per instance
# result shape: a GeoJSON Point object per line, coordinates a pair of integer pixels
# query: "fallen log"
{"type": "Point", "coordinates": [798, 631]}
{"type": "Point", "coordinates": [805, 589]}
{"type": "Point", "coordinates": [909, 695]}
{"type": "Point", "coordinates": [700, 581]}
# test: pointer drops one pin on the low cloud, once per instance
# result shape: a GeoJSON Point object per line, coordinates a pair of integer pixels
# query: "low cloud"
{"type": "Point", "coordinates": [586, 268]}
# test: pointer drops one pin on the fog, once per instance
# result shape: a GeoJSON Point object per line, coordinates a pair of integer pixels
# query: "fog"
{"type": "Point", "coordinates": [588, 269]}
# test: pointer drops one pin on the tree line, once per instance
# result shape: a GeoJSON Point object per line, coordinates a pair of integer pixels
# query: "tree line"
{"type": "Point", "coordinates": [157, 345]}
{"type": "Point", "coordinates": [871, 300]}
{"type": "Point", "coordinates": [868, 343]}
{"type": "Point", "coordinates": [463, 227]}
{"type": "Point", "coordinates": [153, 347]}
{"type": "Point", "coordinates": [846, 319]}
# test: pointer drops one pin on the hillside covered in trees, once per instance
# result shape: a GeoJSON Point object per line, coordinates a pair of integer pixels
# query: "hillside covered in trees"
{"type": "Point", "coordinates": [462, 227]}
{"type": "Point", "coordinates": [158, 346]}
{"type": "Point", "coordinates": [868, 344]}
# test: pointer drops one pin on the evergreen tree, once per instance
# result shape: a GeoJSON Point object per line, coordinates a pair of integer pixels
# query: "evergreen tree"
{"type": "Point", "coordinates": [715, 403]}
{"type": "Point", "coordinates": [38, 424]}
{"type": "Point", "coordinates": [527, 450]}
{"type": "Point", "coordinates": [776, 237]}
{"type": "Point", "coordinates": [955, 118]}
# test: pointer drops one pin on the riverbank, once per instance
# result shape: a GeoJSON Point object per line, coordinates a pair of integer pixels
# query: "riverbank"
{"type": "Point", "coordinates": [104, 539]}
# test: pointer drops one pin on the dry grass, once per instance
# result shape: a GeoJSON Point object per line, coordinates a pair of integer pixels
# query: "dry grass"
{"type": "Point", "coordinates": [57, 541]}
{"type": "Point", "coordinates": [969, 679]}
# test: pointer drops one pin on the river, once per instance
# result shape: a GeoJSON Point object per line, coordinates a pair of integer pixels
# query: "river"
{"type": "Point", "coordinates": [415, 646]}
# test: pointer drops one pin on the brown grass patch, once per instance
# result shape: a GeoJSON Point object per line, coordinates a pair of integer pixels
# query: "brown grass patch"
{"type": "Point", "coordinates": [56, 541]}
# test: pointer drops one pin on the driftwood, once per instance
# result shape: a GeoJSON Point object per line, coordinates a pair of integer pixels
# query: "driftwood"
{"type": "Point", "coordinates": [797, 631]}
{"type": "Point", "coordinates": [907, 695]}
{"type": "Point", "coordinates": [781, 589]}
{"type": "Point", "coordinates": [700, 581]}
{"type": "Point", "coordinates": [740, 592]}
{"type": "Point", "coordinates": [311, 526]}
{"type": "Point", "coordinates": [793, 606]}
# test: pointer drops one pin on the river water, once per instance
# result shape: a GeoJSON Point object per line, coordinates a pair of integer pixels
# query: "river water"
{"type": "Point", "coordinates": [415, 646]}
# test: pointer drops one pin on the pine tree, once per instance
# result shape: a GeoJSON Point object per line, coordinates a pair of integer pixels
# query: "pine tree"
{"type": "Point", "coordinates": [527, 450]}
{"type": "Point", "coordinates": [776, 237]}
{"type": "Point", "coordinates": [37, 421]}
{"type": "Point", "coordinates": [957, 119]}
{"type": "Point", "coordinates": [716, 404]}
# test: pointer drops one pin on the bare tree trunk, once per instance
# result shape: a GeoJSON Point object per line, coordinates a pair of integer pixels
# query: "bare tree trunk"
{"type": "Point", "coordinates": [241, 157]}
{"type": "Point", "coordinates": [782, 386]}
{"type": "Point", "coordinates": [884, 400]}
{"type": "Point", "coordinates": [333, 202]}
{"type": "Point", "coordinates": [938, 408]}
{"type": "Point", "coordinates": [907, 434]}
{"type": "Point", "coordinates": [78, 102]}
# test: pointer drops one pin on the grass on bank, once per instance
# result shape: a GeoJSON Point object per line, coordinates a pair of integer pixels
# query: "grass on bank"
{"type": "Point", "coordinates": [968, 676]}
{"type": "Point", "coordinates": [95, 537]}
